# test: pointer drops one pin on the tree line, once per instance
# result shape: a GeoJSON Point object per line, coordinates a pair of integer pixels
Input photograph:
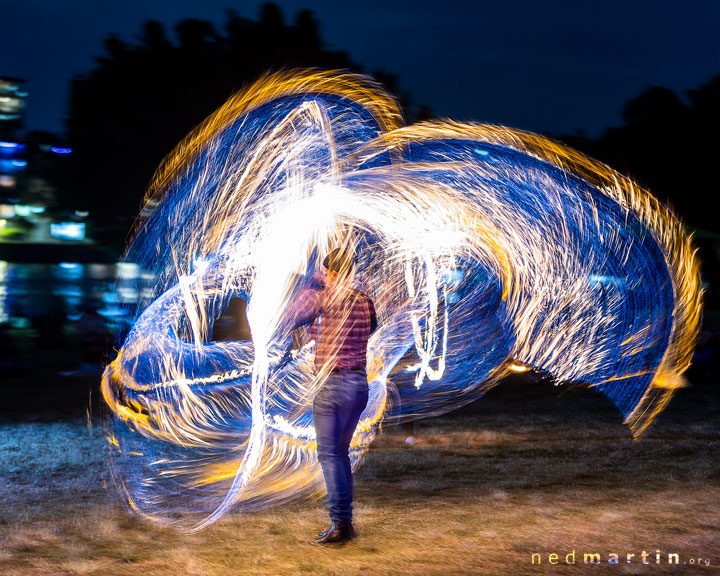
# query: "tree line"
{"type": "Point", "coordinates": [143, 96]}
{"type": "Point", "coordinates": [670, 146]}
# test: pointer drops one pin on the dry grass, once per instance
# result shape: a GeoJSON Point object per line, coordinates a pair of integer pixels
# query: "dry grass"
{"type": "Point", "coordinates": [521, 471]}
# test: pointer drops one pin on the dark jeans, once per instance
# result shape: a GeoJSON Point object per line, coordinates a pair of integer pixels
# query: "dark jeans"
{"type": "Point", "coordinates": [336, 412]}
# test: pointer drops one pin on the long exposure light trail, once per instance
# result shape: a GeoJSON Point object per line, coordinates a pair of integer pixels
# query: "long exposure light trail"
{"type": "Point", "coordinates": [485, 249]}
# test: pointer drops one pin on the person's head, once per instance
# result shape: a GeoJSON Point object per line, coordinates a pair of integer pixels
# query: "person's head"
{"type": "Point", "coordinates": [339, 265]}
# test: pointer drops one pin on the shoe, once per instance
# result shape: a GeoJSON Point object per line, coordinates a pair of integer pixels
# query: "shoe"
{"type": "Point", "coordinates": [326, 532]}
{"type": "Point", "coordinates": [338, 532]}
{"type": "Point", "coordinates": [350, 529]}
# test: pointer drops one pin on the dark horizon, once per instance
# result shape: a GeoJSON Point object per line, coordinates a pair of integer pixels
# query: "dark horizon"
{"type": "Point", "coordinates": [561, 70]}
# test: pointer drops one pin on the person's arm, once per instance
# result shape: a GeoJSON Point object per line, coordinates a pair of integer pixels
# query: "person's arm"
{"type": "Point", "coordinates": [305, 308]}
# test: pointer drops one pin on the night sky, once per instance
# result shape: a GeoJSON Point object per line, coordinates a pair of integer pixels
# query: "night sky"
{"type": "Point", "coordinates": [553, 67]}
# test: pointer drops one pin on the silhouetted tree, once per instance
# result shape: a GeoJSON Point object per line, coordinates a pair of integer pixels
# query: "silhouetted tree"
{"type": "Point", "coordinates": [142, 97]}
{"type": "Point", "coordinates": [670, 147]}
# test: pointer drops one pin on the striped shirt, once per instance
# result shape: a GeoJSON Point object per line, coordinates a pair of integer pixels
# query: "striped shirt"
{"type": "Point", "coordinates": [341, 323]}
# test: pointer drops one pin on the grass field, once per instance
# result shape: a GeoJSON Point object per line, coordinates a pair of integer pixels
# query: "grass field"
{"type": "Point", "coordinates": [530, 468]}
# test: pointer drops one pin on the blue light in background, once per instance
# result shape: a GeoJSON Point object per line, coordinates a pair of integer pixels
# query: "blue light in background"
{"type": "Point", "coordinates": [25, 211]}
{"type": "Point", "coordinates": [11, 148]}
{"type": "Point", "coordinates": [11, 166]}
{"type": "Point", "coordinates": [68, 230]}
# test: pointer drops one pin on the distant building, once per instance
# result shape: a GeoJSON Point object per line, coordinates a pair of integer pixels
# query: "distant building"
{"type": "Point", "coordinates": [12, 107]}
{"type": "Point", "coordinates": [12, 165]}
{"type": "Point", "coordinates": [31, 165]}
{"type": "Point", "coordinates": [12, 150]}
